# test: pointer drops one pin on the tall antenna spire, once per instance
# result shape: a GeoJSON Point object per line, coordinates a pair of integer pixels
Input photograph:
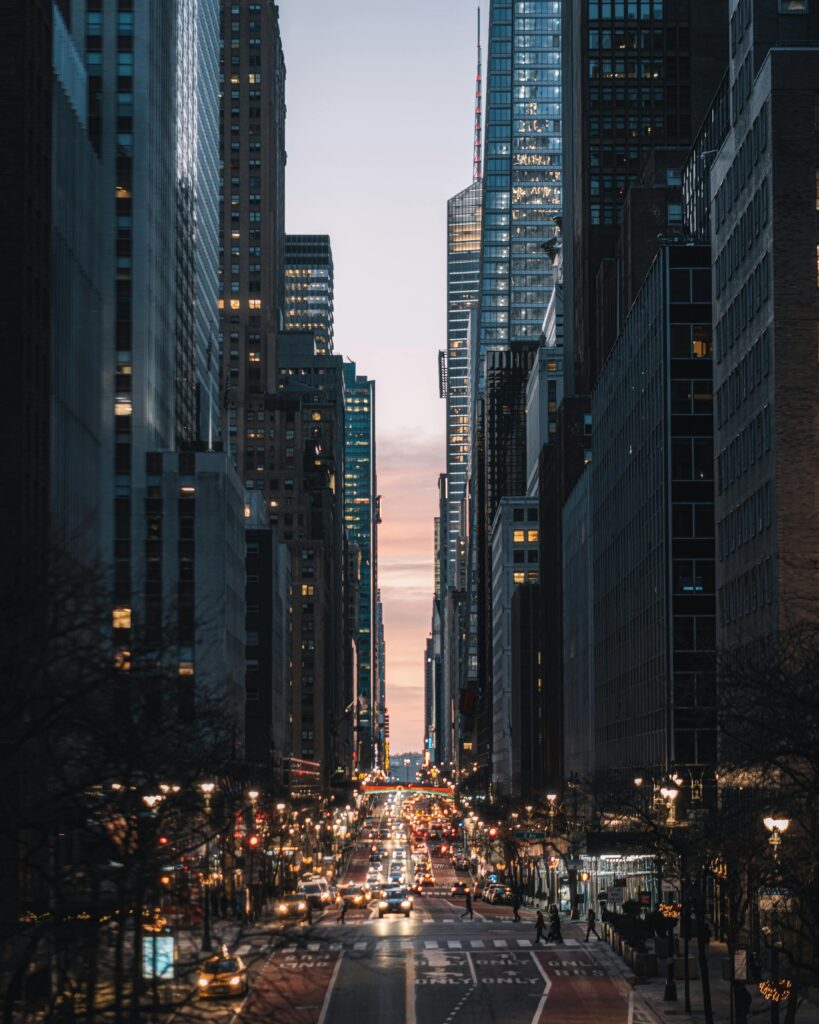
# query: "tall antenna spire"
{"type": "Point", "coordinates": [477, 155]}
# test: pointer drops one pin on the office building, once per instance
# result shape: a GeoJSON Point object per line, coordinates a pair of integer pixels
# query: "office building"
{"type": "Point", "coordinates": [578, 636]}
{"type": "Point", "coordinates": [308, 287]}
{"type": "Point", "coordinates": [652, 521]}
{"type": "Point", "coordinates": [639, 74]}
{"type": "Point", "coordinates": [194, 567]}
{"type": "Point", "coordinates": [766, 269]}
{"type": "Point", "coordinates": [252, 228]}
{"type": "Point", "coordinates": [463, 278]}
{"type": "Point", "coordinates": [267, 651]}
{"type": "Point", "coordinates": [514, 562]}
{"type": "Point", "coordinates": [360, 520]}
{"type": "Point", "coordinates": [522, 169]}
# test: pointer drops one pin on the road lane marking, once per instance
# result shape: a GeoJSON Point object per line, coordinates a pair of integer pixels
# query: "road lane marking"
{"type": "Point", "coordinates": [547, 989]}
{"type": "Point", "coordinates": [454, 944]}
{"type": "Point", "coordinates": [325, 1006]}
{"type": "Point", "coordinates": [571, 942]}
{"type": "Point", "coordinates": [476, 943]}
{"type": "Point", "coordinates": [430, 944]}
{"type": "Point", "coordinates": [360, 945]}
{"type": "Point", "coordinates": [472, 969]}
{"type": "Point", "coordinates": [244, 949]}
{"type": "Point", "coordinates": [525, 943]}
{"type": "Point", "coordinates": [409, 990]}
{"type": "Point", "coordinates": [500, 943]}
{"type": "Point", "coordinates": [314, 947]}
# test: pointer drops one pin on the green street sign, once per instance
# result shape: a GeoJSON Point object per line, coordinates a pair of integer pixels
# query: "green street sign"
{"type": "Point", "coordinates": [537, 835]}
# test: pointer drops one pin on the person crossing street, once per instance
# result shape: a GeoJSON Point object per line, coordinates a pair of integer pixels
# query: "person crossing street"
{"type": "Point", "coordinates": [540, 927]}
{"type": "Point", "coordinates": [516, 907]}
{"type": "Point", "coordinates": [468, 909]}
{"type": "Point", "coordinates": [590, 929]}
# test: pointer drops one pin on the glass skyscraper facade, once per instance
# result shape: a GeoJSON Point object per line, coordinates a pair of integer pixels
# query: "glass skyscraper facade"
{"type": "Point", "coordinates": [522, 168]}
{"type": "Point", "coordinates": [308, 288]}
{"type": "Point", "coordinates": [463, 279]}
{"type": "Point", "coordinates": [360, 516]}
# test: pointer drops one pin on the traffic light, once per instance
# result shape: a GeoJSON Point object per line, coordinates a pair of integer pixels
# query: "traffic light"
{"type": "Point", "coordinates": [493, 832]}
{"type": "Point", "coordinates": [253, 842]}
{"type": "Point", "coordinates": [163, 840]}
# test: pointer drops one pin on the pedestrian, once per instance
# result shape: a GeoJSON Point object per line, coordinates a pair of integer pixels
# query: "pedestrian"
{"type": "Point", "coordinates": [540, 927]}
{"type": "Point", "coordinates": [309, 910]}
{"type": "Point", "coordinates": [590, 929]}
{"type": "Point", "coordinates": [516, 907]}
{"type": "Point", "coordinates": [468, 909]}
{"type": "Point", "coordinates": [742, 1002]}
{"type": "Point", "coordinates": [343, 911]}
{"type": "Point", "coordinates": [554, 925]}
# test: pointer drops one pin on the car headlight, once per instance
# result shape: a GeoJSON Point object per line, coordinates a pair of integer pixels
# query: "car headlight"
{"type": "Point", "coordinates": [325, 896]}
{"type": "Point", "coordinates": [204, 982]}
{"type": "Point", "coordinates": [382, 904]}
{"type": "Point", "coordinates": [406, 904]}
{"type": "Point", "coordinates": [235, 980]}
{"type": "Point", "coordinates": [302, 906]}
{"type": "Point", "coordinates": [282, 908]}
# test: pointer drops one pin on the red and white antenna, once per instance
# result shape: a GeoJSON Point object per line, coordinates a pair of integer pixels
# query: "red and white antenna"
{"type": "Point", "coordinates": [477, 169]}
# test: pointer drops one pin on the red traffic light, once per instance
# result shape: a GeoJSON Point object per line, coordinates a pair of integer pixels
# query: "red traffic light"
{"type": "Point", "coordinates": [493, 832]}
{"type": "Point", "coordinates": [163, 840]}
{"type": "Point", "coordinates": [253, 841]}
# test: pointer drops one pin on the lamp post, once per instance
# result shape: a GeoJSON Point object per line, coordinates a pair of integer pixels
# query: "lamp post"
{"type": "Point", "coordinates": [207, 791]}
{"type": "Point", "coordinates": [776, 991]}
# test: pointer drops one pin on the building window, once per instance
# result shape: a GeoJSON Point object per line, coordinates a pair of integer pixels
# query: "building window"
{"type": "Point", "coordinates": [793, 6]}
{"type": "Point", "coordinates": [519, 536]}
{"type": "Point", "coordinates": [532, 536]}
{"type": "Point", "coordinates": [122, 618]}
{"type": "Point", "coordinates": [518, 577]}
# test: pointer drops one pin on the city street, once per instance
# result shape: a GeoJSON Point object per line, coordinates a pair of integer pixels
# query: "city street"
{"type": "Point", "coordinates": [433, 968]}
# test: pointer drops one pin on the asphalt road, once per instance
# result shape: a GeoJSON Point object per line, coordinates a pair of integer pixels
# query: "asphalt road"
{"type": "Point", "coordinates": [433, 968]}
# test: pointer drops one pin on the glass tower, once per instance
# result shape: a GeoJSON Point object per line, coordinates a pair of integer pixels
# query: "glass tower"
{"type": "Point", "coordinates": [308, 288]}
{"type": "Point", "coordinates": [463, 277]}
{"type": "Point", "coordinates": [360, 515]}
{"type": "Point", "coordinates": [522, 168]}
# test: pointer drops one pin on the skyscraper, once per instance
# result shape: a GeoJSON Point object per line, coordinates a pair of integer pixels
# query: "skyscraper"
{"type": "Point", "coordinates": [522, 168]}
{"type": "Point", "coordinates": [252, 235]}
{"type": "Point", "coordinates": [308, 287]}
{"type": "Point", "coordinates": [360, 520]}
{"type": "Point", "coordinates": [639, 74]}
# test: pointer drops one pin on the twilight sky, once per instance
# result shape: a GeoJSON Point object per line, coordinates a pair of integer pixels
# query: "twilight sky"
{"type": "Point", "coordinates": [379, 136]}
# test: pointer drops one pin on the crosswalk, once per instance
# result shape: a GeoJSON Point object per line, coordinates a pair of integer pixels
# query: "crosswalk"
{"type": "Point", "coordinates": [398, 942]}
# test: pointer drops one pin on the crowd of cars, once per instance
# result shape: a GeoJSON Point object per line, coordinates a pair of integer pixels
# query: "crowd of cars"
{"type": "Point", "coordinates": [401, 847]}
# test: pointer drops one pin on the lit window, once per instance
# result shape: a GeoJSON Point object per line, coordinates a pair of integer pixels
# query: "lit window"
{"type": "Point", "coordinates": [255, 303]}
{"type": "Point", "coordinates": [122, 660]}
{"type": "Point", "coordinates": [122, 405]}
{"type": "Point", "coordinates": [532, 536]}
{"type": "Point", "coordinates": [122, 618]}
{"type": "Point", "coordinates": [307, 590]}
{"type": "Point", "coordinates": [518, 577]}
{"type": "Point", "coordinates": [234, 303]}
{"type": "Point", "coordinates": [817, 266]}
{"type": "Point", "coordinates": [185, 668]}
{"type": "Point", "coordinates": [519, 536]}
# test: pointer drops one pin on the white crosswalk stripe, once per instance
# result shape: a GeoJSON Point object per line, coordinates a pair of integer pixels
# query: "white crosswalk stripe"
{"type": "Point", "coordinates": [314, 947]}
{"type": "Point", "coordinates": [476, 943]}
{"type": "Point", "coordinates": [360, 945]}
{"type": "Point", "coordinates": [454, 944]}
{"type": "Point", "coordinates": [500, 943]}
{"type": "Point", "coordinates": [430, 944]}
{"type": "Point", "coordinates": [244, 949]}
{"type": "Point", "coordinates": [570, 942]}
{"type": "Point", "coordinates": [525, 943]}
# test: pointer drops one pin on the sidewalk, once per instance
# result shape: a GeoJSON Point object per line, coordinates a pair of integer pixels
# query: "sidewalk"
{"type": "Point", "coordinates": [652, 991]}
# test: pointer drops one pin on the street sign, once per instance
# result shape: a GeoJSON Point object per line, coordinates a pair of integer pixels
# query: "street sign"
{"type": "Point", "coordinates": [740, 964]}
{"type": "Point", "coordinates": [531, 834]}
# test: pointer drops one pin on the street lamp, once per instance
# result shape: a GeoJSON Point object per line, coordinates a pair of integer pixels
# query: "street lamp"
{"type": "Point", "coordinates": [207, 791]}
{"type": "Point", "coordinates": [670, 794]}
{"type": "Point", "coordinates": [552, 798]}
{"type": "Point", "coordinates": [777, 989]}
